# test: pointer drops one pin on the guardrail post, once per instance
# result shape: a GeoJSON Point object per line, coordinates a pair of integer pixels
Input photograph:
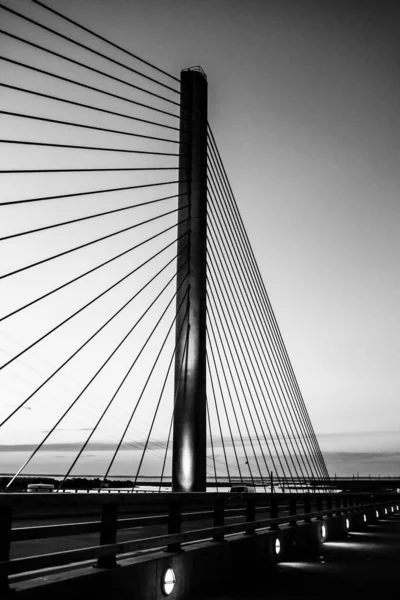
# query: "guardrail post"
{"type": "Point", "coordinates": [274, 510]}
{"type": "Point", "coordinates": [292, 509]}
{"type": "Point", "coordinates": [108, 534]}
{"type": "Point", "coordinates": [219, 517]}
{"type": "Point", "coordinates": [338, 504]}
{"type": "Point", "coordinates": [250, 514]}
{"type": "Point", "coordinates": [5, 543]}
{"type": "Point", "coordinates": [174, 524]}
{"type": "Point", "coordinates": [307, 508]}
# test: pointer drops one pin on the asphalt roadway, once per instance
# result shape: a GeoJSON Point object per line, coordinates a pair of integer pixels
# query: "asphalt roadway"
{"type": "Point", "coordinates": [365, 565]}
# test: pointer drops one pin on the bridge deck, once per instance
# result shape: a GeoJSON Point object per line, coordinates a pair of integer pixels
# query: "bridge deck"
{"type": "Point", "coordinates": [364, 565]}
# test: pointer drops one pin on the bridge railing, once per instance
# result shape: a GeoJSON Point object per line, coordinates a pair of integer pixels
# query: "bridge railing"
{"type": "Point", "coordinates": [177, 508]}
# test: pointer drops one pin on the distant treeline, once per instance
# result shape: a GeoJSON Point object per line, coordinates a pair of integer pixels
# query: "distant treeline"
{"type": "Point", "coordinates": [75, 483]}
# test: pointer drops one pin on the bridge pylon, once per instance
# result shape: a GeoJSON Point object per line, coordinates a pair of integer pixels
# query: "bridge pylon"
{"type": "Point", "coordinates": [190, 410]}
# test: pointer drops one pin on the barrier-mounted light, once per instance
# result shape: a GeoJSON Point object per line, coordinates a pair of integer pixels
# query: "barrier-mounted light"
{"type": "Point", "coordinates": [277, 546]}
{"type": "Point", "coordinates": [377, 514]}
{"type": "Point", "coordinates": [168, 581]}
{"type": "Point", "coordinates": [391, 508]}
{"type": "Point", "coordinates": [347, 524]}
{"type": "Point", "coordinates": [323, 532]}
{"type": "Point", "coordinates": [397, 507]}
{"type": "Point", "coordinates": [365, 518]}
{"type": "Point", "coordinates": [385, 511]}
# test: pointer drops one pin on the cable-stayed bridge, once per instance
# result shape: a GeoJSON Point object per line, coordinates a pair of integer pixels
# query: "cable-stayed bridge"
{"type": "Point", "coordinates": [137, 338]}
{"type": "Point", "coordinates": [125, 260]}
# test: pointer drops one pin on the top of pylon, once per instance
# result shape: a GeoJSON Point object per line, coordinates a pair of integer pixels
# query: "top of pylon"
{"type": "Point", "coordinates": [198, 69]}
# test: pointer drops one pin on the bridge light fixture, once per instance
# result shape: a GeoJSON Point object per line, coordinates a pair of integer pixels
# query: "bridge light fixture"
{"type": "Point", "coordinates": [168, 581]}
{"type": "Point", "coordinates": [392, 509]}
{"type": "Point", "coordinates": [365, 518]}
{"type": "Point", "coordinates": [385, 511]}
{"type": "Point", "coordinates": [397, 507]}
{"type": "Point", "coordinates": [347, 524]}
{"type": "Point", "coordinates": [277, 546]}
{"type": "Point", "coordinates": [323, 532]}
{"type": "Point", "coordinates": [377, 514]}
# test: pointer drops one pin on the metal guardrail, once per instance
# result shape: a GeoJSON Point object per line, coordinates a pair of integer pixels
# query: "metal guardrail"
{"type": "Point", "coordinates": [108, 549]}
{"type": "Point", "coordinates": [60, 530]}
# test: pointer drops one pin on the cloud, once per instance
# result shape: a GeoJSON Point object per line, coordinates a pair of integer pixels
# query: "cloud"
{"type": "Point", "coordinates": [364, 463]}
{"type": "Point", "coordinates": [69, 429]}
{"type": "Point", "coordinates": [76, 446]}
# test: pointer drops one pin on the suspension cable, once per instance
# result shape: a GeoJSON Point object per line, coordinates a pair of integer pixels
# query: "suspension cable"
{"type": "Point", "coordinates": [95, 241]}
{"type": "Point", "coordinates": [145, 385]}
{"type": "Point", "coordinates": [162, 391]}
{"type": "Point", "coordinates": [89, 106]}
{"type": "Point", "coordinates": [253, 265]}
{"type": "Point", "coordinates": [83, 126]}
{"type": "Point", "coordinates": [77, 62]}
{"type": "Point", "coordinates": [218, 418]}
{"type": "Point", "coordinates": [102, 214]}
{"type": "Point", "coordinates": [235, 346]}
{"type": "Point", "coordinates": [252, 344]}
{"type": "Point", "coordinates": [96, 148]}
{"type": "Point", "coordinates": [79, 395]}
{"type": "Point", "coordinates": [173, 407]}
{"type": "Point", "coordinates": [60, 287]}
{"type": "Point", "coordinates": [100, 37]}
{"type": "Point", "coordinates": [86, 86]}
{"type": "Point", "coordinates": [244, 287]}
{"type": "Point", "coordinates": [254, 268]}
{"type": "Point", "coordinates": [102, 170]}
{"type": "Point", "coordinates": [90, 193]}
{"type": "Point", "coordinates": [109, 404]}
{"type": "Point", "coordinates": [77, 312]}
{"type": "Point", "coordinates": [211, 312]}
{"type": "Point", "coordinates": [243, 235]}
{"type": "Point", "coordinates": [223, 401]}
{"type": "Point", "coordinates": [212, 445]}
{"type": "Point", "coordinates": [92, 337]}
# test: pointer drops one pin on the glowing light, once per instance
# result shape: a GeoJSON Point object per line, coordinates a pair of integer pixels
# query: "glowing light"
{"type": "Point", "coordinates": [347, 524]}
{"type": "Point", "coordinates": [323, 532]}
{"type": "Point", "coordinates": [385, 511]}
{"type": "Point", "coordinates": [397, 507]}
{"type": "Point", "coordinates": [277, 546]}
{"type": "Point", "coordinates": [187, 463]}
{"type": "Point", "coordinates": [377, 514]}
{"type": "Point", "coordinates": [392, 509]}
{"type": "Point", "coordinates": [365, 518]}
{"type": "Point", "coordinates": [168, 581]}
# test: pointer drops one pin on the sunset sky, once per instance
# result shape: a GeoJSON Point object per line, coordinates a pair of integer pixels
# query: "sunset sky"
{"type": "Point", "coordinates": [304, 104]}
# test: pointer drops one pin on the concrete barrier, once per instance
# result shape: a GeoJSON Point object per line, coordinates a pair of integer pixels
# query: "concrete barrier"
{"type": "Point", "coordinates": [335, 528]}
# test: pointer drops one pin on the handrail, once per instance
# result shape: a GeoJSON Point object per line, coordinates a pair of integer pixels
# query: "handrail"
{"type": "Point", "coordinates": [19, 565]}
{"type": "Point", "coordinates": [24, 499]}
{"type": "Point", "coordinates": [174, 538]}
{"type": "Point", "coordinates": [35, 532]}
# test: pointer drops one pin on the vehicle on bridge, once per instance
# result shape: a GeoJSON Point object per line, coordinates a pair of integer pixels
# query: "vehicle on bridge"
{"type": "Point", "coordinates": [41, 488]}
{"type": "Point", "coordinates": [242, 489]}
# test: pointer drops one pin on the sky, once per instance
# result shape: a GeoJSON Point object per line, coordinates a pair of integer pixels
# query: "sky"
{"type": "Point", "coordinates": [303, 102]}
